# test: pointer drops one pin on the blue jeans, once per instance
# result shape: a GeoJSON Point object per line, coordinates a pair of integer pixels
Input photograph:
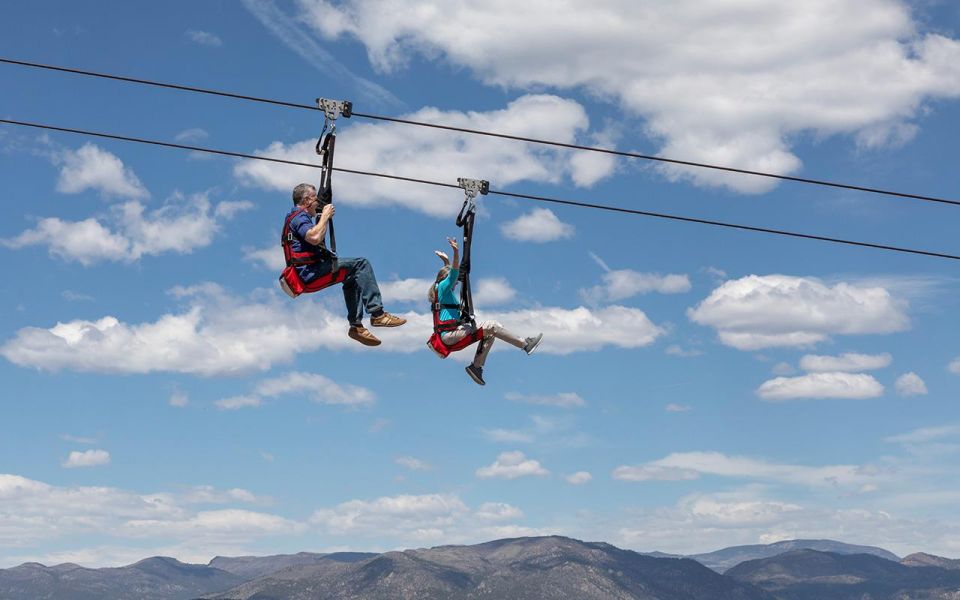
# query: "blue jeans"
{"type": "Point", "coordinates": [360, 289]}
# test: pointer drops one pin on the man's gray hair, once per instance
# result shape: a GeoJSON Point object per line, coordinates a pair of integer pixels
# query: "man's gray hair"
{"type": "Point", "coordinates": [302, 191]}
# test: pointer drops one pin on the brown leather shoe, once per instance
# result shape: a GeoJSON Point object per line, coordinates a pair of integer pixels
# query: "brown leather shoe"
{"type": "Point", "coordinates": [363, 335]}
{"type": "Point", "coordinates": [387, 320]}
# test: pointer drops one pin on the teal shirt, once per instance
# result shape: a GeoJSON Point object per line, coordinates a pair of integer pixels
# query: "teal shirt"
{"type": "Point", "coordinates": [445, 295]}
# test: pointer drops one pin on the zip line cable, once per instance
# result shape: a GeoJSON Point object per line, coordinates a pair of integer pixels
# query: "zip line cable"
{"type": "Point", "coordinates": [687, 163]}
{"type": "Point", "coordinates": [495, 192]}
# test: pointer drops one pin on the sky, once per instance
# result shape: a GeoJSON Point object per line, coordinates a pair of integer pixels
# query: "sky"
{"type": "Point", "coordinates": [696, 387]}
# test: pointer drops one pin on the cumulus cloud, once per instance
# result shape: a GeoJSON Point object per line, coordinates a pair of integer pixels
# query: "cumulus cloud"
{"type": "Point", "coordinates": [737, 93]}
{"type": "Point", "coordinates": [32, 511]}
{"type": "Point", "coordinates": [93, 168]}
{"type": "Point", "coordinates": [910, 384]}
{"type": "Point", "coordinates": [87, 458]}
{"type": "Point", "coordinates": [954, 366]}
{"type": "Point", "coordinates": [219, 333]}
{"type": "Point", "coordinates": [626, 283]}
{"type": "Point", "coordinates": [512, 465]}
{"type": "Point", "coordinates": [579, 478]}
{"type": "Point", "coordinates": [770, 311]}
{"type": "Point", "coordinates": [539, 225]}
{"type": "Point", "coordinates": [488, 291]}
{"type": "Point", "coordinates": [562, 400]}
{"type": "Point", "coordinates": [692, 465]}
{"type": "Point", "coordinates": [204, 38]}
{"type": "Point", "coordinates": [181, 226]}
{"type": "Point", "coordinates": [426, 153]}
{"type": "Point", "coordinates": [318, 388]}
{"type": "Point", "coordinates": [848, 363]}
{"type": "Point", "coordinates": [844, 386]}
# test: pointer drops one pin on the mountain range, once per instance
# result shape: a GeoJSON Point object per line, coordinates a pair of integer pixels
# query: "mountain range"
{"type": "Point", "coordinates": [516, 569]}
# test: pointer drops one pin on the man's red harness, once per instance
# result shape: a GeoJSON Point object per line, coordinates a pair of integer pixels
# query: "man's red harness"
{"type": "Point", "coordinates": [436, 342]}
{"type": "Point", "coordinates": [291, 277]}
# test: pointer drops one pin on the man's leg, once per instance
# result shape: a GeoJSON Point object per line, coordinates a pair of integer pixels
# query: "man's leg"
{"type": "Point", "coordinates": [351, 297]}
{"type": "Point", "coordinates": [360, 275]}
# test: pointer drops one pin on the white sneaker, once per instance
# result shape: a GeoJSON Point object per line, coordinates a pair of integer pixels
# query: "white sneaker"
{"type": "Point", "coordinates": [532, 343]}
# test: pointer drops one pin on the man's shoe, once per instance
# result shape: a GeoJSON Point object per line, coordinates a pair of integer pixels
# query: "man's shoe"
{"type": "Point", "coordinates": [532, 343]}
{"type": "Point", "coordinates": [385, 319]}
{"type": "Point", "coordinates": [363, 335]}
{"type": "Point", "coordinates": [476, 374]}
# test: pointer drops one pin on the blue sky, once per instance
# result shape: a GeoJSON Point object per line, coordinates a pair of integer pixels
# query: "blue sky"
{"type": "Point", "coordinates": [696, 387]}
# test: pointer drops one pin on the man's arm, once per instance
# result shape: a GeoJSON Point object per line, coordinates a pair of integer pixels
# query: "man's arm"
{"type": "Point", "coordinates": [316, 233]}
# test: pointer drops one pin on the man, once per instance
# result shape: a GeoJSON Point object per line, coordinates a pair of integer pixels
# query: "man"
{"type": "Point", "coordinates": [360, 288]}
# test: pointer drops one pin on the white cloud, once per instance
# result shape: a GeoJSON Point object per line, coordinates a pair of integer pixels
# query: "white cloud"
{"type": "Point", "coordinates": [681, 466]}
{"type": "Point", "coordinates": [412, 463]}
{"type": "Point", "coordinates": [207, 494]}
{"type": "Point", "coordinates": [783, 368]}
{"type": "Point", "coordinates": [512, 465]}
{"type": "Point", "coordinates": [318, 388]}
{"type": "Point", "coordinates": [626, 283]}
{"type": "Point", "coordinates": [489, 291]}
{"type": "Point", "coordinates": [926, 434]}
{"type": "Point", "coordinates": [92, 168]}
{"type": "Point", "coordinates": [509, 436]}
{"type": "Point", "coordinates": [270, 257]}
{"type": "Point", "coordinates": [497, 511]}
{"type": "Point", "coordinates": [87, 242]}
{"type": "Point", "coordinates": [219, 333]}
{"type": "Point", "coordinates": [910, 384]}
{"type": "Point", "coordinates": [194, 134]}
{"type": "Point", "coordinates": [844, 386]}
{"type": "Point", "coordinates": [954, 366]}
{"type": "Point", "coordinates": [769, 311]}
{"type": "Point", "coordinates": [179, 399]}
{"type": "Point", "coordinates": [539, 225]}
{"type": "Point", "coordinates": [737, 93]}
{"type": "Point", "coordinates": [181, 226]}
{"type": "Point", "coordinates": [35, 514]}
{"type": "Point", "coordinates": [238, 402]}
{"type": "Point", "coordinates": [563, 399]}
{"type": "Point", "coordinates": [291, 32]}
{"type": "Point", "coordinates": [848, 363]}
{"type": "Point", "coordinates": [204, 38]}
{"type": "Point", "coordinates": [674, 407]}
{"type": "Point", "coordinates": [677, 350]}
{"type": "Point", "coordinates": [579, 478]}
{"type": "Point", "coordinates": [436, 155]}
{"type": "Point", "coordinates": [396, 514]}
{"type": "Point", "coordinates": [87, 458]}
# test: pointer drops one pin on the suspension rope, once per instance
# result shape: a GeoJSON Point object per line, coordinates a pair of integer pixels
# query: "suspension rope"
{"type": "Point", "coordinates": [621, 153]}
{"type": "Point", "coordinates": [496, 192]}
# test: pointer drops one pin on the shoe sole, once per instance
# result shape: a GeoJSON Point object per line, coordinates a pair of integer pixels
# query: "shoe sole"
{"type": "Point", "coordinates": [372, 324]}
{"type": "Point", "coordinates": [535, 346]}
{"type": "Point", "coordinates": [475, 379]}
{"type": "Point", "coordinates": [363, 340]}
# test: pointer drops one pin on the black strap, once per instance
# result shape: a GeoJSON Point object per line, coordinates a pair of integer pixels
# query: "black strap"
{"type": "Point", "coordinates": [325, 148]}
{"type": "Point", "coordinates": [465, 220]}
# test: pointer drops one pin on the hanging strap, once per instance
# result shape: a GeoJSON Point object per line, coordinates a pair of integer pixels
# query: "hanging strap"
{"type": "Point", "coordinates": [332, 109]}
{"type": "Point", "coordinates": [471, 188]}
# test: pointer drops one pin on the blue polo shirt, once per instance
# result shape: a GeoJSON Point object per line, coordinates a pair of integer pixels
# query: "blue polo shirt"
{"type": "Point", "coordinates": [445, 295]}
{"type": "Point", "coordinates": [300, 225]}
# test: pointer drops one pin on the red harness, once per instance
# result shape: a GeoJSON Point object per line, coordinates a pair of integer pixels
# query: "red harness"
{"type": "Point", "coordinates": [290, 280]}
{"type": "Point", "coordinates": [436, 342]}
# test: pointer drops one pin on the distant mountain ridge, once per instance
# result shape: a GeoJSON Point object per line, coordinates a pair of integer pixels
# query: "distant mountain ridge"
{"type": "Point", "coordinates": [514, 569]}
{"type": "Point", "coordinates": [814, 575]}
{"type": "Point", "coordinates": [511, 569]}
{"type": "Point", "coordinates": [727, 558]}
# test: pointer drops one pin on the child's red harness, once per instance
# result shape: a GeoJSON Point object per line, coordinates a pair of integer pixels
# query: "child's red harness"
{"type": "Point", "coordinates": [436, 342]}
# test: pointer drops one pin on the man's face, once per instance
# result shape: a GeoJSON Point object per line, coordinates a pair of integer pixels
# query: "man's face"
{"type": "Point", "coordinates": [310, 204]}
